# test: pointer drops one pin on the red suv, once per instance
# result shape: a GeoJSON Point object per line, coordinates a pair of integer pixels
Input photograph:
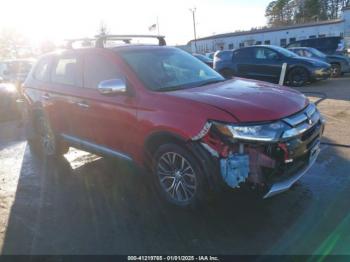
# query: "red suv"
{"type": "Point", "coordinates": [170, 113]}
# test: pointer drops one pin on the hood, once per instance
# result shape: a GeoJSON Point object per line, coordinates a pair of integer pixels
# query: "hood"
{"type": "Point", "coordinates": [247, 100]}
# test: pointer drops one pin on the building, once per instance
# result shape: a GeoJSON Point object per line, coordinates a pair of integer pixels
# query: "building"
{"type": "Point", "coordinates": [276, 36]}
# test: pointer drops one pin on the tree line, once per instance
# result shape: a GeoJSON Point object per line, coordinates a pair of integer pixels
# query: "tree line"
{"type": "Point", "coordinates": [289, 12]}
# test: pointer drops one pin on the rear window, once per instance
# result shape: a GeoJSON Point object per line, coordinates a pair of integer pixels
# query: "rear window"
{"type": "Point", "coordinates": [224, 55]}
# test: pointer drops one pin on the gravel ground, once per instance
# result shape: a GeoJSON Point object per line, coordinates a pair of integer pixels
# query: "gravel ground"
{"type": "Point", "coordinates": [84, 204]}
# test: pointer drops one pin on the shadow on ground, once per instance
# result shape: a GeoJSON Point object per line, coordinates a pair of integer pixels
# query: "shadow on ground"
{"type": "Point", "coordinates": [89, 205]}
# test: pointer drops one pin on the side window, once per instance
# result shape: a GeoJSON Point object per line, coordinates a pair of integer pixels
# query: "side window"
{"type": "Point", "coordinates": [41, 72]}
{"type": "Point", "coordinates": [307, 53]}
{"type": "Point", "coordinates": [300, 52]}
{"type": "Point", "coordinates": [67, 71]}
{"type": "Point", "coordinates": [242, 53]}
{"type": "Point", "coordinates": [265, 54]}
{"type": "Point", "coordinates": [98, 68]}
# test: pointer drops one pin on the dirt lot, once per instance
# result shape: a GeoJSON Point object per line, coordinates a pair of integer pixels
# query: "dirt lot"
{"type": "Point", "coordinates": [83, 204]}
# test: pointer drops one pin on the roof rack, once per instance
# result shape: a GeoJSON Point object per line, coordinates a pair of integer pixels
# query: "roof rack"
{"type": "Point", "coordinates": [69, 44]}
{"type": "Point", "coordinates": [102, 39]}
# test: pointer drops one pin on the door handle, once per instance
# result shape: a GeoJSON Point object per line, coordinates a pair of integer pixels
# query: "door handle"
{"type": "Point", "coordinates": [83, 104]}
{"type": "Point", "coordinates": [46, 96]}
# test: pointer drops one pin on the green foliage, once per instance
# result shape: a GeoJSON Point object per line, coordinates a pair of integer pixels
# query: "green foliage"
{"type": "Point", "coordinates": [287, 12]}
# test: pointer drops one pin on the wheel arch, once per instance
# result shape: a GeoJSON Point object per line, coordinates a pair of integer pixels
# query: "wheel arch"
{"type": "Point", "coordinates": [208, 164]}
{"type": "Point", "coordinates": [292, 67]}
{"type": "Point", "coordinates": [156, 139]}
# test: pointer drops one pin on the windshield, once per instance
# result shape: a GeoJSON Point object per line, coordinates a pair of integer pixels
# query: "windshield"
{"type": "Point", "coordinates": [284, 51]}
{"type": "Point", "coordinates": [317, 53]}
{"type": "Point", "coordinates": [169, 69]}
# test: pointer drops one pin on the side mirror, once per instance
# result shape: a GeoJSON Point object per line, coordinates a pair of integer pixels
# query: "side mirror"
{"type": "Point", "coordinates": [112, 87]}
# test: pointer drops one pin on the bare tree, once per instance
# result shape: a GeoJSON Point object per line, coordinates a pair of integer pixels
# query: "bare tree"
{"type": "Point", "coordinates": [103, 29]}
{"type": "Point", "coordinates": [12, 44]}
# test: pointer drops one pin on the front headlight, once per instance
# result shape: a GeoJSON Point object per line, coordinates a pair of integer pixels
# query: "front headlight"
{"type": "Point", "coordinates": [270, 132]}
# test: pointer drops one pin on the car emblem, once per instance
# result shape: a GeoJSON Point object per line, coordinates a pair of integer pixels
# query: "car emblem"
{"type": "Point", "coordinates": [309, 120]}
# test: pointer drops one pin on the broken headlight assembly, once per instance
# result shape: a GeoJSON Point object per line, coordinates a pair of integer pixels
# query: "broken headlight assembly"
{"type": "Point", "coordinates": [269, 132]}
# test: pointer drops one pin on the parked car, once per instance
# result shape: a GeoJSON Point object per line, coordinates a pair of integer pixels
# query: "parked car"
{"type": "Point", "coordinates": [210, 55]}
{"type": "Point", "coordinates": [16, 70]}
{"type": "Point", "coordinates": [165, 111]}
{"type": "Point", "coordinates": [328, 45]}
{"type": "Point", "coordinates": [204, 59]}
{"type": "Point", "coordinates": [340, 64]}
{"type": "Point", "coordinates": [9, 108]}
{"type": "Point", "coordinates": [264, 62]}
{"type": "Point", "coordinates": [222, 59]}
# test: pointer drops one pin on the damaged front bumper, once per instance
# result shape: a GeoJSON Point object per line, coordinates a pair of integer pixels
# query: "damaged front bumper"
{"type": "Point", "coordinates": [270, 166]}
{"type": "Point", "coordinates": [285, 184]}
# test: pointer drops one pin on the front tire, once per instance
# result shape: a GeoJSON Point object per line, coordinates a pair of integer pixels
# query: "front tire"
{"type": "Point", "coordinates": [178, 176]}
{"type": "Point", "coordinates": [298, 77]}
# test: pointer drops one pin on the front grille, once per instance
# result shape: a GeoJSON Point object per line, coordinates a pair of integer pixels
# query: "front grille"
{"type": "Point", "coordinates": [308, 133]}
{"type": "Point", "coordinates": [305, 122]}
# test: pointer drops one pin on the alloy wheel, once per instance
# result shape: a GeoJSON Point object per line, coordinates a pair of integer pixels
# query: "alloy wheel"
{"type": "Point", "coordinates": [177, 177]}
{"type": "Point", "coordinates": [335, 71]}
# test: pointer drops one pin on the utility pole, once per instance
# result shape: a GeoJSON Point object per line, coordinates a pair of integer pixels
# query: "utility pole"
{"type": "Point", "coordinates": [158, 25]}
{"type": "Point", "coordinates": [193, 11]}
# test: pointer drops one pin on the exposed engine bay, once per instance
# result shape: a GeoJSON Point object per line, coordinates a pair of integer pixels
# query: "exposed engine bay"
{"type": "Point", "coordinates": [261, 154]}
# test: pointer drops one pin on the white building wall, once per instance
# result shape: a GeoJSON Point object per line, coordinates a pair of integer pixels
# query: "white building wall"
{"type": "Point", "coordinates": [346, 17]}
{"type": "Point", "coordinates": [274, 38]}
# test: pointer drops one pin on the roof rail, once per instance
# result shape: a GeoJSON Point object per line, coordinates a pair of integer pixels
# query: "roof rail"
{"type": "Point", "coordinates": [69, 44]}
{"type": "Point", "coordinates": [101, 39]}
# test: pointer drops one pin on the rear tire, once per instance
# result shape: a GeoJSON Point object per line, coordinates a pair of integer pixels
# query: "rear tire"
{"type": "Point", "coordinates": [336, 71]}
{"type": "Point", "coordinates": [298, 77]}
{"type": "Point", "coordinates": [178, 176]}
{"type": "Point", "coordinates": [44, 141]}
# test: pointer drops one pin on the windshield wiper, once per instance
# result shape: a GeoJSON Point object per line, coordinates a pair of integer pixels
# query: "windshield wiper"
{"type": "Point", "coordinates": [169, 88]}
{"type": "Point", "coordinates": [213, 82]}
{"type": "Point", "coordinates": [179, 87]}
